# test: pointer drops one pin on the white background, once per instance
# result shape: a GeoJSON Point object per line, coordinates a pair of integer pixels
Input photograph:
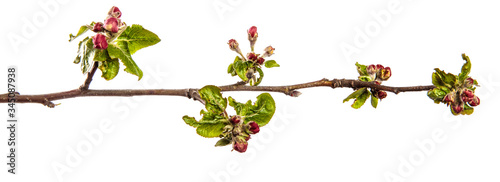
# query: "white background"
{"type": "Point", "coordinates": [311, 138]}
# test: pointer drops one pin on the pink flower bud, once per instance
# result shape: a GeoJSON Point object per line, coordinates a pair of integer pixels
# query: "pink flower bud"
{"type": "Point", "coordinates": [252, 57]}
{"type": "Point", "coordinates": [475, 101]}
{"type": "Point", "coordinates": [468, 93]}
{"type": "Point", "coordinates": [235, 119]}
{"type": "Point", "coordinates": [469, 82]}
{"type": "Point", "coordinates": [260, 60]}
{"type": "Point", "coordinates": [115, 12]}
{"type": "Point", "coordinates": [111, 24]}
{"type": "Point", "coordinates": [252, 32]}
{"type": "Point", "coordinates": [384, 74]}
{"type": "Point", "coordinates": [97, 27]}
{"type": "Point", "coordinates": [381, 94]}
{"type": "Point", "coordinates": [240, 146]}
{"type": "Point", "coordinates": [448, 98]}
{"type": "Point", "coordinates": [457, 108]}
{"type": "Point", "coordinates": [371, 70]}
{"type": "Point", "coordinates": [100, 41]}
{"type": "Point", "coordinates": [269, 50]}
{"type": "Point", "coordinates": [233, 45]}
{"type": "Point", "coordinates": [252, 36]}
{"type": "Point", "coordinates": [253, 127]}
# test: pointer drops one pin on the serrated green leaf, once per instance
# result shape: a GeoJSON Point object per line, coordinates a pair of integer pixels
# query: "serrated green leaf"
{"type": "Point", "coordinates": [191, 121]}
{"type": "Point", "coordinates": [101, 55]}
{"type": "Point", "coordinates": [374, 101]}
{"type": "Point", "coordinates": [438, 93]}
{"type": "Point", "coordinates": [365, 78]}
{"type": "Point", "coordinates": [211, 117]}
{"type": "Point", "coordinates": [109, 68]}
{"type": "Point", "coordinates": [214, 102]}
{"type": "Point", "coordinates": [210, 130]}
{"type": "Point", "coordinates": [85, 52]}
{"type": "Point", "coordinates": [240, 108]}
{"type": "Point", "coordinates": [223, 142]}
{"type": "Point", "coordinates": [136, 38]}
{"type": "Point", "coordinates": [120, 51]}
{"type": "Point", "coordinates": [436, 80]}
{"type": "Point", "coordinates": [262, 110]}
{"type": "Point", "coordinates": [361, 69]}
{"type": "Point", "coordinates": [241, 68]}
{"type": "Point", "coordinates": [440, 78]}
{"type": "Point", "coordinates": [360, 101]}
{"type": "Point", "coordinates": [271, 64]}
{"type": "Point", "coordinates": [230, 70]}
{"type": "Point", "coordinates": [465, 68]}
{"type": "Point", "coordinates": [81, 31]}
{"type": "Point", "coordinates": [355, 94]}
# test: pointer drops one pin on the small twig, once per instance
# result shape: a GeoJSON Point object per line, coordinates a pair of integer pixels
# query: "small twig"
{"type": "Point", "coordinates": [83, 91]}
{"type": "Point", "coordinates": [90, 75]}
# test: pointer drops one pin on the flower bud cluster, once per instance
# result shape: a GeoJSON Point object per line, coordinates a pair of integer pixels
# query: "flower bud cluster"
{"type": "Point", "coordinates": [240, 133]}
{"type": "Point", "coordinates": [460, 99]}
{"type": "Point", "coordinates": [111, 26]}
{"type": "Point", "coordinates": [379, 72]}
{"type": "Point", "coordinates": [257, 59]}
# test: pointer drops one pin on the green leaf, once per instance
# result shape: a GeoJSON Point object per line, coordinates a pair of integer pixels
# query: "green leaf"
{"type": "Point", "coordinates": [438, 93]}
{"type": "Point", "coordinates": [361, 69]}
{"type": "Point", "coordinates": [271, 64]}
{"type": "Point", "coordinates": [436, 80]}
{"type": "Point", "coordinates": [85, 51]}
{"type": "Point", "coordinates": [465, 68]}
{"type": "Point", "coordinates": [101, 55]}
{"type": "Point", "coordinates": [109, 68]}
{"type": "Point", "coordinates": [262, 110]}
{"type": "Point", "coordinates": [261, 76]}
{"type": "Point", "coordinates": [223, 142]}
{"type": "Point", "coordinates": [440, 78]}
{"type": "Point", "coordinates": [214, 102]}
{"type": "Point", "coordinates": [81, 31]}
{"type": "Point", "coordinates": [136, 37]}
{"type": "Point", "coordinates": [360, 101]}
{"type": "Point", "coordinates": [240, 108]}
{"type": "Point", "coordinates": [210, 130]}
{"type": "Point", "coordinates": [77, 59]}
{"type": "Point", "coordinates": [191, 121]}
{"type": "Point", "coordinates": [355, 94]}
{"type": "Point", "coordinates": [120, 51]}
{"type": "Point", "coordinates": [211, 117]}
{"type": "Point", "coordinates": [241, 68]}
{"type": "Point", "coordinates": [230, 70]}
{"type": "Point", "coordinates": [365, 78]}
{"type": "Point", "coordinates": [374, 101]}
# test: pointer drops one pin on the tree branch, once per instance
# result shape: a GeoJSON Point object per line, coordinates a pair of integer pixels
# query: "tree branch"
{"type": "Point", "coordinates": [191, 93]}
